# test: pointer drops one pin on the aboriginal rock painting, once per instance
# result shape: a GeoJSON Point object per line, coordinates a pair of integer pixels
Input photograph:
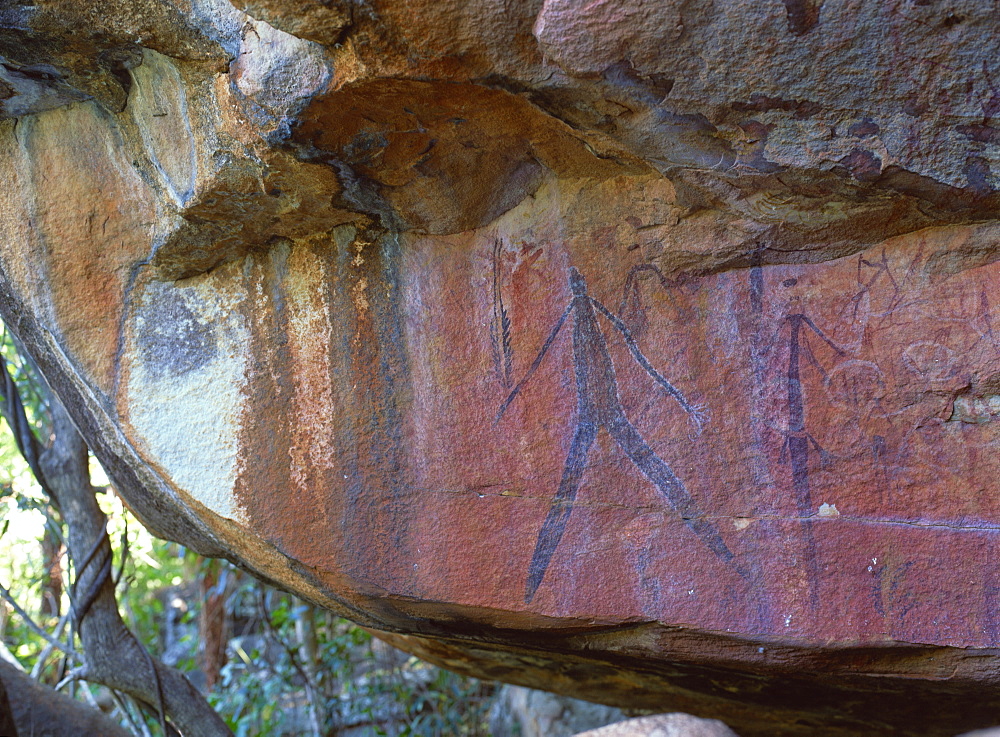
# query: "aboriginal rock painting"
{"type": "Point", "coordinates": [799, 444]}
{"type": "Point", "coordinates": [870, 363]}
{"type": "Point", "coordinates": [599, 406]}
{"type": "Point", "coordinates": [855, 406]}
{"type": "Point", "coordinates": [500, 346]}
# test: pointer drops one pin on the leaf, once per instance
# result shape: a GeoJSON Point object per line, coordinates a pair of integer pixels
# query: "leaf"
{"type": "Point", "coordinates": [243, 655]}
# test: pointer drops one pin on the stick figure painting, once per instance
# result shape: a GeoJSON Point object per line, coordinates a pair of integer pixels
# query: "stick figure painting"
{"type": "Point", "coordinates": [599, 406]}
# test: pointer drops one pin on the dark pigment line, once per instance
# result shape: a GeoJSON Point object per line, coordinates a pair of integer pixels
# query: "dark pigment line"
{"type": "Point", "coordinates": [753, 319]}
{"type": "Point", "coordinates": [503, 356]}
{"type": "Point", "coordinates": [797, 440]}
{"type": "Point", "coordinates": [881, 268]}
{"type": "Point", "coordinates": [631, 309]}
{"type": "Point", "coordinates": [598, 405]}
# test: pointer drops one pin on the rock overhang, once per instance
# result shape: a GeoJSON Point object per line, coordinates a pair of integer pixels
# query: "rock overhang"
{"type": "Point", "coordinates": [315, 307]}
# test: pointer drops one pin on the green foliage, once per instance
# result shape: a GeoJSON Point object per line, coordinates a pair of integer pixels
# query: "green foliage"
{"type": "Point", "coordinates": [263, 687]}
{"type": "Point", "coordinates": [246, 701]}
{"type": "Point", "coordinates": [23, 509]}
{"type": "Point", "coordinates": [445, 704]}
{"type": "Point", "coordinates": [293, 669]}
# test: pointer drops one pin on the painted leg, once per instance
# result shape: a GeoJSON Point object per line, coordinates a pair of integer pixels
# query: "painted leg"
{"type": "Point", "coordinates": [562, 505]}
{"type": "Point", "coordinates": [666, 481]}
{"type": "Point", "coordinates": [798, 458]}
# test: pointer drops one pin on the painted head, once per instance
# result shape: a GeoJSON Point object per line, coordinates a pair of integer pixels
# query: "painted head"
{"type": "Point", "coordinates": [793, 299]}
{"type": "Point", "coordinates": [577, 283]}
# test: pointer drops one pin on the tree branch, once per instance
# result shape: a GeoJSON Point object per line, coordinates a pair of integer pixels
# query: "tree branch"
{"type": "Point", "coordinates": [40, 711]}
{"type": "Point", "coordinates": [37, 628]}
{"type": "Point", "coordinates": [114, 656]}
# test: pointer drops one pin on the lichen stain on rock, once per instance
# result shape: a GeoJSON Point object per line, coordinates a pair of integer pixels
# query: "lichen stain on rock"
{"type": "Point", "coordinates": [267, 406]}
{"type": "Point", "coordinates": [378, 502]}
{"type": "Point", "coordinates": [310, 335]}
{"type": "Point", "coordinates": [180, 398]}
{"type": "Point", "coordinates": [177, 341]}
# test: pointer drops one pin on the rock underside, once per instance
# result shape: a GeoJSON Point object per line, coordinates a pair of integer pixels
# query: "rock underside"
{"type": "Point", "coordinates": [647, 352]}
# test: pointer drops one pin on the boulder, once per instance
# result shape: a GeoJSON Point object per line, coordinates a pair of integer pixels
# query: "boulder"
{"type": "Point", "coordinates": [663, 725]}
{"type": "Point", "coordinates": [644, 353]}
{"type": "Point", "coordinates": [524, 712]}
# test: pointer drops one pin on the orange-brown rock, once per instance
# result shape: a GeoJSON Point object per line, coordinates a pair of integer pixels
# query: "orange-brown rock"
{"type": "Point", "coordinates": [644, 352]}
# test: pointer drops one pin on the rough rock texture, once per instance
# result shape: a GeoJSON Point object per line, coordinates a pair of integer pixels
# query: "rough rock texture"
{"type": "Point", "coordinates": [647, 352]}
{"type": "Point", "coordinates": [525, 712]}
{"type": "Point", "coordinates": [663, 725]}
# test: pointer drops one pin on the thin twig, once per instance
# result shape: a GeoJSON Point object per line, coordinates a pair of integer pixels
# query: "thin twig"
{"type": "Point", "coordinates": [77, 674]}
{"type": "Point", "coordinates": [311, 687]}
{"type": "Point", "coordinates": [37, 628]}
{"type": "Point", "coordinates": [89, 696]}
{"type": "Point", "coordinates": [123, 708]}
{"type": "Point", "coordinates": [40, 662]}
{"type": "Point", "coordinates": [279, 640]}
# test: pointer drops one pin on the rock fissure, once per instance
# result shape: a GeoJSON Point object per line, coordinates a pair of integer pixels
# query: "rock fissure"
{"type": "Point", "coordinates": [742, 521]}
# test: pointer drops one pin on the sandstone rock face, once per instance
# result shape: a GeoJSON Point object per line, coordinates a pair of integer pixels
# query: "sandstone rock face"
{"type": "Point", "coordinates": [526, 712]}
{"type": "Point", "coordinates": [663, 725]}
{"type": "Point", "coordinates": [644, 352]}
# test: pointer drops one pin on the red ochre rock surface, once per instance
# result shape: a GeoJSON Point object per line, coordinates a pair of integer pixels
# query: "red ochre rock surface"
{"type": "Point", "coordinates": [647, 353]}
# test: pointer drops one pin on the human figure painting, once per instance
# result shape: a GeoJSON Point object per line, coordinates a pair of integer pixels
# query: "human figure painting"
{"type": "Point", "coordinates": [798, 441]}
{"type": "Point", "coordinates": [599, 406]}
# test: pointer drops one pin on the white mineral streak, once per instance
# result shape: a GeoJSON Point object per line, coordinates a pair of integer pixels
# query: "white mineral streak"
{"type": "Point", "coordinates": [188, 422]}
{"type": "Point", "coordinates": [309, 339]}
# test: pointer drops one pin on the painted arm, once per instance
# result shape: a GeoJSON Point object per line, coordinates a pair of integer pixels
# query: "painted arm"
{"type": "Point", "coordinates": [664, 281]}
{"type": "Point", "coordinates": [535, 364]}
{"type": "Point", "coordinates": [822, 335]}
{"type": "Point", "coordinates": [807, 351]}
{"type": "Point", "coordinates": [697, 413]}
